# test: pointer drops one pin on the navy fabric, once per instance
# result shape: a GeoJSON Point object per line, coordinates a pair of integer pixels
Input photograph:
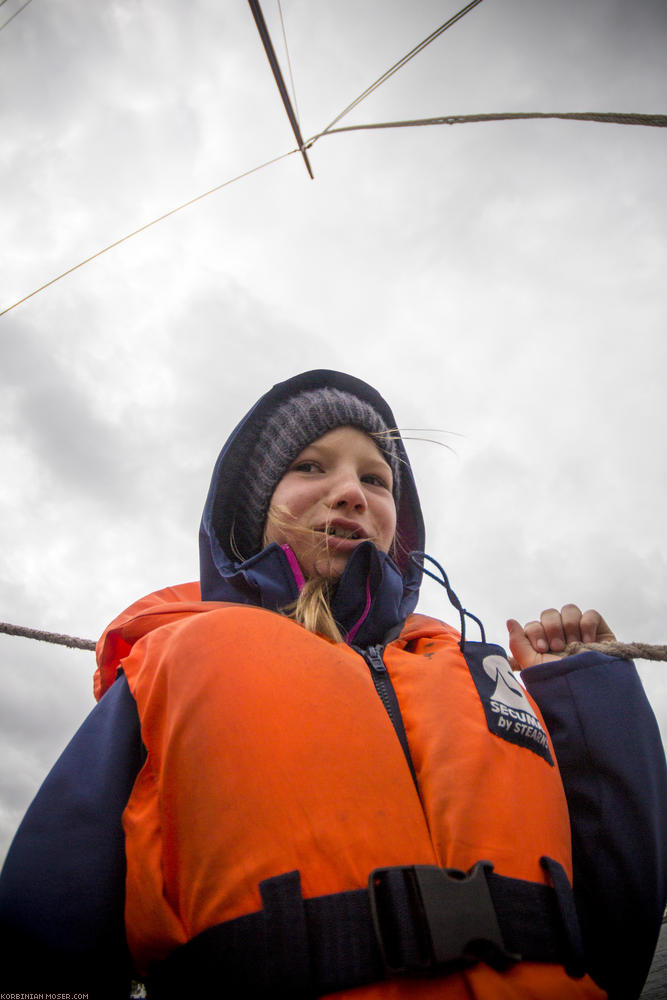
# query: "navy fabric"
{"type": "Point", "coordinates": [287, 935]}
{"type": "Point", "coordinates": [309, 948]}
{"type": "Point", "coordinates": [575, 964]}
{"type": "Point", "coordinates": [62, 888]}
{"type": "Point", "coordinates": [612, 761]}
{"type": "Point", "coordinates": [266, 578]}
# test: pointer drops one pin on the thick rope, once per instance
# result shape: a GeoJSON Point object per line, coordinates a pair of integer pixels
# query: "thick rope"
{"type": "Point", "coordinates": [623, 650]}
{"type": "Point", "coordinates": [55, 637]}
{"type": "Point", "coordinates": [607, 117]}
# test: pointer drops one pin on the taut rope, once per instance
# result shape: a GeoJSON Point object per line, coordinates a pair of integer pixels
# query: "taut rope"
{"type": "Point", "coordinates": [55, 637]}
{"type": "Point", "coordinates": [623, 650]}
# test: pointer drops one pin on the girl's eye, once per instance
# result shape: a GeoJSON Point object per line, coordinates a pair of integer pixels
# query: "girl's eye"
{"type": "Point", "coordinates": [376, 481]}
{"type": "Point", "coordinates": [305, 467]}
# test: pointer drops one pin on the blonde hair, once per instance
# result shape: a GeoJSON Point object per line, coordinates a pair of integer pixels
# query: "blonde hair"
{"type": "Point", "coordinates": [312, 608]}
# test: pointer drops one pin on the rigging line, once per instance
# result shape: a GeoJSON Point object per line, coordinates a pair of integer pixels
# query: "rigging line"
{"type": "Point", "coordinates": [609, 117]}
{"type": "Point", "coordinates": [153, 222]}
{"type": "Point", "coordinates": [278, 77]}
{"type": "Point", "coordinates": [623, 650]}
{"type": "Point", "coordinates": [55, 637]}
{"type": "Point", "coordinates": [289, 61]}
{"type": "Point", "coordinates": [15, 14]}
{"type": "Point", "coordinates": [394, 69]}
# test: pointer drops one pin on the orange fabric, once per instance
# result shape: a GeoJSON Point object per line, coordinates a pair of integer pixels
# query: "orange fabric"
{"type": "Point", "coordinates": [452, 750]}
{"type": "Point", "coordinates": [140, 618]}
{"type": "Point", "coordinates": [269, 750]}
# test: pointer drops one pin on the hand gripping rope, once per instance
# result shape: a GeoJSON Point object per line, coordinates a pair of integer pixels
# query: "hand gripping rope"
{"type": "Point", "coordinates": [622, 650]}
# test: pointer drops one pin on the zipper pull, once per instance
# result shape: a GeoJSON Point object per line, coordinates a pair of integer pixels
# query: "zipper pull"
{"type": "Point", "coordinates": [374, 659]}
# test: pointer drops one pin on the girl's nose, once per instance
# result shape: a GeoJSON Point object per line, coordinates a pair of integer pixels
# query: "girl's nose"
{"type": "Point", "coordinates": [347, 492]}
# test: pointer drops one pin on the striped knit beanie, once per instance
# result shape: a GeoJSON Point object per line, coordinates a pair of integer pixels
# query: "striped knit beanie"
{"type": "Point", "coordinates": [292, 426]}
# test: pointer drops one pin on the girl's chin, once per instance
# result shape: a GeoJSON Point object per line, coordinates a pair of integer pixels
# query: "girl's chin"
{"type": "Point", "coordinates": [330, 568]}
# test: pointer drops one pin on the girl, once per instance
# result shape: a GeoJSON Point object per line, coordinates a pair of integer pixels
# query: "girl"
{"type": "Point", "coordinates": [295, 786]}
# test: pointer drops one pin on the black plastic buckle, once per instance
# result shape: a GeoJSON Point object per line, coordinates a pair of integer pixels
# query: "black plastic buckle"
{"type": "Point", "coordinates": [427, 918]}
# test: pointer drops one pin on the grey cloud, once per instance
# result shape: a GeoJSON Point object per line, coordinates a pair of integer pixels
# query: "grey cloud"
{"type": "Point", "coordinates": [57, 419]}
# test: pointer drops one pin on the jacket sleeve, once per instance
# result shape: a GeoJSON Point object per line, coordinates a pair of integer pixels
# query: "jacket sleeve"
{"type": "Point", "coordinates": [62, 887]}
{"type": "Point", "coordinates": [612, 763]}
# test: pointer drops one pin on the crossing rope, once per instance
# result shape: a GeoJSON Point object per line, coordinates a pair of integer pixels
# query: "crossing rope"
{"type": "Point", "coordinates": [622, 650]}
{"type": "Point", "coordinates": [606, 117]}
{"type": "Point", "coordinates": [56, 637]}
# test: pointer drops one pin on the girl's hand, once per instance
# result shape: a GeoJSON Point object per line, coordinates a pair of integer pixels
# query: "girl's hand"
{"type": "Point", "coordinates": [544, 640]}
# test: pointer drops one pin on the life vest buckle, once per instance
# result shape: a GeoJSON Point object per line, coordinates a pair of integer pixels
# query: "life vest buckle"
{"type": "Point", "coordinates": [427, 918]}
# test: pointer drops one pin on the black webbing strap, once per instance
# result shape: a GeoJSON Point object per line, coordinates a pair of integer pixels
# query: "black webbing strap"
{"type": "Point", "coordinates": [410, 920]}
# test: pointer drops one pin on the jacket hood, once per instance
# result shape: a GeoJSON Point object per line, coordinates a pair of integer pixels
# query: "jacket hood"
{"type": "Point", "coordinates": [375, 593]}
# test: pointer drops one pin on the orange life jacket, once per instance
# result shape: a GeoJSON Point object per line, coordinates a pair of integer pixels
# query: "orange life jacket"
{"type": "Point", "coordinates": [268, 750]}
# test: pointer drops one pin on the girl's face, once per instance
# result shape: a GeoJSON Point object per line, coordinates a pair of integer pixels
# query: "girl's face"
{"type": "Point", "coordinates": [336, 493]}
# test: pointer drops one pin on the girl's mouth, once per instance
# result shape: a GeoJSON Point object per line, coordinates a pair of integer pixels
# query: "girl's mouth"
{"type": "Point", "coordinates": [335, 531]}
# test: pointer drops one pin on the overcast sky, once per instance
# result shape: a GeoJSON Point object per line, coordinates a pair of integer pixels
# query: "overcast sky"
{"type": "Point", "coordinates": [501, 283]}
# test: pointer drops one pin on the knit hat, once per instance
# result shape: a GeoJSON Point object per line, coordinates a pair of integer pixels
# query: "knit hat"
{"type": "Point", "coordinates": [293, 425]}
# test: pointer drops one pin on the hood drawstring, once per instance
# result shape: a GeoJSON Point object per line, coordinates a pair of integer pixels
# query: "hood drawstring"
{"type": "Point", "coordinates": [443, 580]}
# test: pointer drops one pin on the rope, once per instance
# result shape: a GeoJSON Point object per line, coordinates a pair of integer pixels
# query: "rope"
{"type": "Point", "coordinates": [154, 222]}
{"type": "Point", "coordinates": [55, 637]}
{"type": "Point", "coordinates": [15, 14]}
{"type": "Point", "coordinates": [289, 61]}
{"type": "Point", "coordinates": [623, 650]}
{"type": "Point", "coordinates": [401, 62]}
{"type": "Point", "coordinates": [278, 77]}
{"type": "Point", "coordinates": [595, 116]}
{"type": "Point", "coordinates": [609, 117]}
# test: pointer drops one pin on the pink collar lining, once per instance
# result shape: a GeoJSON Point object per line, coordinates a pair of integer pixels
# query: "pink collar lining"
{"type": "Point", "coordinates": [300, 581]}
{"type": "Point", "coordinates": [349, 638]}
{"type": "Point", "coordinates": [294, 566]}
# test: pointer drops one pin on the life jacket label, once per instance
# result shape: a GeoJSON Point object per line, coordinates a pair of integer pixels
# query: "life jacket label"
{"type": "Point", "coordinates": [509, 714]}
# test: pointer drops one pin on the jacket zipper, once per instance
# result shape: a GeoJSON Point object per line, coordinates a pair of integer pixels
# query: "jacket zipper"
{"type": "Point", "coordinates": [385, 689]}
